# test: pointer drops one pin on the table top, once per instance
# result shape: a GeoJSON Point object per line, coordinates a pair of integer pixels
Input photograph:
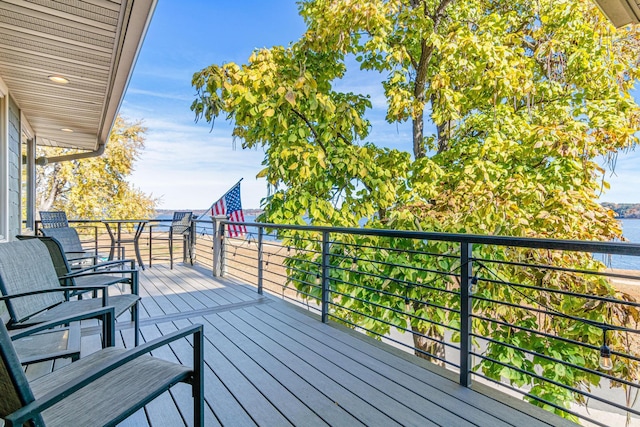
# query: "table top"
{"type": "Point", "coordinates": [125, 221]}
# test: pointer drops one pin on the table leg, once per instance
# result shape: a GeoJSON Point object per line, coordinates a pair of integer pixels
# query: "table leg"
{"type": "Point", "coordinates": [113, 240]}
{"type": "Point", "coordinates": [136, 245]}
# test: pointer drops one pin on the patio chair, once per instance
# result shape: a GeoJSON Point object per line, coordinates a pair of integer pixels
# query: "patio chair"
{"type": "Point", "coordinates": [90, 275]}
{"type": "Point", "coordinates": [180, 228]}
{"type": "Point", "coordinates": [59, 338]}
{"type": "Point", "coordinates": [28, 275]}
{"type": "Point", "coordinates": [71, 244]}
{"type": "Point", "coordinates": [56, 224]}
{"type": "Point", "coordinates": [53, 219]}
{"type": "Point", "coordinates": [103, 388]}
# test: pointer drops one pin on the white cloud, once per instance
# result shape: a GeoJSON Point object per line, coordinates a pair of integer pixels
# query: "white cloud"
{"type": "Point", "coordinates": [188, 166]}
{"type": "Point", "coordinates": [156, 94]}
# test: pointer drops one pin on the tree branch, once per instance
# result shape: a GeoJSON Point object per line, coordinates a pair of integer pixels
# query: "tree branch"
{"type": "Point", "coordinates": [310, 126]}
{"type": "Point", "coordinates": [421, 77]}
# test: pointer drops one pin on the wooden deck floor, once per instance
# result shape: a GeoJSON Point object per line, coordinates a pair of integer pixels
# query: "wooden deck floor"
{"type": "Point", "coordinates": [269, 363]}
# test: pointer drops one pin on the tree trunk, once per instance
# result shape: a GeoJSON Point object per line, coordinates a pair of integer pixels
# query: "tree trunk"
{"type": "Point", "coordinates": [47, 200]}
{"type": "Point", "coordinates": [443, 132]}
{"type": "Point", "coordinates": [418, 137]}
{"type": "Point", "coordinates": [431, 347]}
{"type": "Point", "coordinates": [420, 84]}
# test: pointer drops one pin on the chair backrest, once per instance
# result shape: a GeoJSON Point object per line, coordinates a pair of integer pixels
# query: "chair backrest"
{"type": "Point", "coordinates": [67, 236]}
{"type": "Point", "coordinates": [53, 219]}
{"type": "Point", "coordinates": [16, 392]}
{"type": "Point", "coordinates": [25, 265]}
{"type": "Point", "coordinates": [181, 222]}
{"type": "Point", "coordinates": [59, 259]}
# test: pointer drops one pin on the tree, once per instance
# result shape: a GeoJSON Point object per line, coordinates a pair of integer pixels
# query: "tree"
{"type": "Point", "coordinates": [524, 97]}
{"type": "Point", "coordinates": [97, 187]}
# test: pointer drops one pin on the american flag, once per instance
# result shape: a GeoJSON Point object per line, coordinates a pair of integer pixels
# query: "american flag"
{"type": "Point", "coordinates": [231, 206]}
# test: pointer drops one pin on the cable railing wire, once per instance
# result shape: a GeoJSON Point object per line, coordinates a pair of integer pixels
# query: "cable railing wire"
{"type": "Point", "coordinates": [282, 262]}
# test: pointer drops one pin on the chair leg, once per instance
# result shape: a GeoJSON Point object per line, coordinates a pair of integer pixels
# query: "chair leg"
{"type": "Point", "coordinates": [171, 252]}
{"type": "Point", "coordinates": [198, 379]}
{"type": "Point", "coordinates": [136, 323]}
{"type": "Point", "coordinates": [150, 246]}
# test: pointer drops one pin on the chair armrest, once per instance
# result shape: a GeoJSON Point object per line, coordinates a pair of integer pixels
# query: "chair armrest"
{"type": "Point", "coordinates": [27, 412]}
{"type": "Point", "coordinates": [165, 225]}
{"type": "Point", "coordinates": [105, 264]}
{"type": "Point", "coordinates": [107, 314]}
{"type": "Point", "coordinates": [66, 289]}
{"type": "Point", "coordinates": [60, 289]}
{"type": "Point", "coordinates": [133, 280]}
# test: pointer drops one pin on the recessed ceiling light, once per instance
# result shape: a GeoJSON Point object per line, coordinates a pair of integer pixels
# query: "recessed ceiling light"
{"type": "Point", "coordinates": [66, 130]}
{"type": "Point", "coordinates": [58, 79]}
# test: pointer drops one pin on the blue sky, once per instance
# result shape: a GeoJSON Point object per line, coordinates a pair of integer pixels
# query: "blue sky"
{"type": "Point", "coordinates": [190, 165]}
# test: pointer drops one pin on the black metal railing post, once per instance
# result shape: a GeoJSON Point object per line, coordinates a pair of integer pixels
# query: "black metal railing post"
{"type": "Point", "coordinates": [260, 263]}
{"type": "Point", "coordinates": [466, 273]}
{"type": "Point", "coordinates": [325, 276]}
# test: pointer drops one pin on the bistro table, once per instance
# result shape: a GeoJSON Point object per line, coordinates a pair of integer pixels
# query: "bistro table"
{"type": "Point", "coordinates": [118, 240]}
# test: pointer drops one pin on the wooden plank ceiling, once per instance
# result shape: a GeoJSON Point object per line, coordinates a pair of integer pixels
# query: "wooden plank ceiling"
{"type": "Point", "coordinates": [91, 43]}
{"type": "Point", "coordinates": [621, 12]}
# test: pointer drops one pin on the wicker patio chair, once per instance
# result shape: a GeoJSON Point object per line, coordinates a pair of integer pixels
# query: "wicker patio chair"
{"type": "Point", "coordinates": [180, 228]}
{"type": "Point", "coordinates": [103, 388]}
{"type": "Point", "coordinates": [27, 270]}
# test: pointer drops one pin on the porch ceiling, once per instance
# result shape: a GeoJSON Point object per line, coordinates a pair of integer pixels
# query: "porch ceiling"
{"type": "Point", "coordinates": [621, 12]}
{"type": "Point", "coordinates": [91, 43]}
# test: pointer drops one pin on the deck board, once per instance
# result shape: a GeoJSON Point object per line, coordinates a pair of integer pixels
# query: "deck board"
{"type": "Point", "coordinates": [421, 380]}
{"type": "Point", "coordinates": [219, 398]}
{"type": "Point", "coordinates": [364, 359]}
{"type": "Point", "coordinates": [270, 363]}
{"type": "Point", "coordinates": [301, 374]}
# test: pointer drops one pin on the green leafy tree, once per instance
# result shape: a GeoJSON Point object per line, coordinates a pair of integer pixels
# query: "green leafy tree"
{"type": "Point", "coordinates": [97, 187]}
{"type": "Point", "coordinates": [525, 97]}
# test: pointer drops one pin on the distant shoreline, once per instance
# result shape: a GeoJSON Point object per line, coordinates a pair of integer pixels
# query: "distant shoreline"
{"type": "Point", "coordinates": [624, 210]}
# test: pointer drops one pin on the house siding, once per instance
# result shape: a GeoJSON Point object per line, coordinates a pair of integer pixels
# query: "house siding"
{"type": "Point", "coordinates": [14, 169]}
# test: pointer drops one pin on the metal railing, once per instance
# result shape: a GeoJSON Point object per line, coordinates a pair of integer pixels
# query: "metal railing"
{"type": "Point", "coordinates": [533, 316]}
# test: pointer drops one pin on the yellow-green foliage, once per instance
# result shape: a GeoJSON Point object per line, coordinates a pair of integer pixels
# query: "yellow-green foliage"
{"type": "Point", "coordinates": [97, 187]}
{"type": "Point", "coordinates": [525, 96]}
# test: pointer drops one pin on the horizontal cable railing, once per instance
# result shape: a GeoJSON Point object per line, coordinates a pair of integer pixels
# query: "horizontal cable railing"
{"type": "Point", "coordinates": [537, 317]}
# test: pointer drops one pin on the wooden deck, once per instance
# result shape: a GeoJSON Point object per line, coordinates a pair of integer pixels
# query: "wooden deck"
{"type": "Point", "coordinates": [270, 363]}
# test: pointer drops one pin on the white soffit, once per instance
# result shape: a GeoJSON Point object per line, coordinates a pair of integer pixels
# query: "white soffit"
{"type": "Point", "coordinates": [621, 12]}
{"type": "Point", "coordinates": [91, 43]}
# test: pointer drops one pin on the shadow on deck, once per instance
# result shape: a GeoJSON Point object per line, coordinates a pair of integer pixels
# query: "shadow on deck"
{"type": "Point", "coordinates": [271, 363]}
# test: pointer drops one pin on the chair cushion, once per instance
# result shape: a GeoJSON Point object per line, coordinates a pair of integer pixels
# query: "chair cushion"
{"type": "Point", "coordinates": [26, 266]}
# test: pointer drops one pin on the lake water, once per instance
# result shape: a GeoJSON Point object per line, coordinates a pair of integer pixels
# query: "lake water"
{"type": "Point", "coordinates": [631, 231]}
